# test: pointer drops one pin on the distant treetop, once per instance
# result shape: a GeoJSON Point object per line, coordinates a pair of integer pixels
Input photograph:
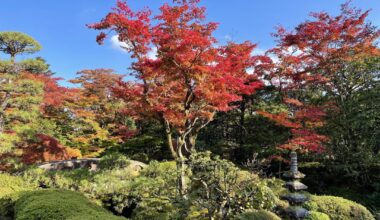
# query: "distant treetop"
{"type": "Point", "coordinates": [14, 43]}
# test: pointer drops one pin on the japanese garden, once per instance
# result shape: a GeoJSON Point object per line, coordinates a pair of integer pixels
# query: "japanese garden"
{"type": "Point", "coordinates": [198, 127]}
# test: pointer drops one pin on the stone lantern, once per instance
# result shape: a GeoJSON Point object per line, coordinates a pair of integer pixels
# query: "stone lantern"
{"type": "Point", "coordinates": [295, 198]}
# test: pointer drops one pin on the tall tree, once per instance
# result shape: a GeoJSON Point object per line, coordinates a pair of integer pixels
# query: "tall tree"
{"type": "Point", "coordinates": [20, 111]}
{"type": "Point", "coordinates": [15, 43]}
{"type": "Point", "coordinates": [99, 111]}
{"type": "Point", "coordinates": [312, 59]}
{"type": "Point", "coordinates": [190, 79]}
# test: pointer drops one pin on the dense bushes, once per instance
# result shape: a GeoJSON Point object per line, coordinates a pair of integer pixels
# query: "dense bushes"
{"type": "Point", "coordinates": [338, 208]}
{"type": "Point", "coordinates": [10, 187]}
{"type": "Point", "coordinates": [317, 216]}
{"type": "Point", "coordinates": [221, 188]}
{"type": "Point", "coordinates": [153, 191]}
{"type": "Point", "coordinates": [58, 205]}
{"type": "Point", "coordinates": [10, 184]}
{"type": "Point", "coordinates": [217, 188]}
{"type": "Point", "coordinates": [258, 215]}
{"type": "Point", "coordinates": [121, 189]}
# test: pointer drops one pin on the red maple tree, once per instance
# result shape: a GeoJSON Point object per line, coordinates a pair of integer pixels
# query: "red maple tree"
{"type": "Point", "coordinates": [47, 149]}
{"type": "Point", "coordinates": [190, 78]}
{"type": "Point", "coordinates": [309, 59]}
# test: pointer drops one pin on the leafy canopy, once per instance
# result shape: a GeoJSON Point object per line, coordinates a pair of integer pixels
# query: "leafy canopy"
{"type": "Point", "coordinates": [14, 43]}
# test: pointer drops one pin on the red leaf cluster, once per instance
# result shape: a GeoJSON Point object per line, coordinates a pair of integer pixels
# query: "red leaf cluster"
{"type": "Point", "coordinates": [47, 149]}
{"type": "Point", "coordinates": [191, 78]}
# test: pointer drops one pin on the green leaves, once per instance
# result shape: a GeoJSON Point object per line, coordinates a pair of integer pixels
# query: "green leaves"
{"type": "Point", "coordinates": [14, 43]}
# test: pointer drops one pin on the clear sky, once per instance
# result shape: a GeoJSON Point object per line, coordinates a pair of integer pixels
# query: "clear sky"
{"type": "Point", "coordinates": [59, 25]}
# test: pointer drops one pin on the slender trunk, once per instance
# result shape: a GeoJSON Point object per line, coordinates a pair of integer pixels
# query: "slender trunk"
{"type": "Point", "coordinates": [223, 210]}
{"type": "Point", "coordinates": [2, 123]}
{"type": "Point", "coordinates": [237, 153]}
{"type": "Point", "coordinates": [182, 183]}
{"type": "Point", "coordinates": [242, 122]}
{"type": "Point", "coordinates": [4, 105]}
{"type": "Point", "coordinates": [169, 139]}
{"type": "Point", "coordinates": [13, 59]}
{"type": "Point", "coordinates": [181, 166]}
{"type": "Point", "coordinates": [190, 142]}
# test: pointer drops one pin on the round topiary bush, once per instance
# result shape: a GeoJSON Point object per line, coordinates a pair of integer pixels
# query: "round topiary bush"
{"type": "Point", "coordinates": [317, 216]}
{"type": "Point", "coordinates": [338, 208]}
{"type": "Point", "coordinates": [257, 215]}
{"type": "Point", "coordinates": [10, 187]}
{"type": "Point", "coordinates": [58, 205]}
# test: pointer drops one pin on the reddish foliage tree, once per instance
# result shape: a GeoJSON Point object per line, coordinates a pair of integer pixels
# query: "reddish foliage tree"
{"type": "Point", "coordinates": [54, 94]}
{"type": "Point", "coordinates": [95, 102]}
{"type": "Point", "coordinates": [47, 149]}
{"type": "Point", "coordinates": [309, 59]}
{"type": "Point", "coordinates": [190, 79]}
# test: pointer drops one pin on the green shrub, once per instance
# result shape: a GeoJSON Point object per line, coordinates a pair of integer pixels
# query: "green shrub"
{"type": "Point", "coordinates": [10, 187]}
{"type": "Point", "coordinates": [338, 208]}
{"type": "Point", "coordinates": [114, 160]}
{"type": "Point", "coordinates": [117, 189]}
{"type": "Point", "coordinates": [221, 188]}
{"type": "Point", "coordinates": [152, 192]}
{"type": "Point", "coordinates": [156, 192]}
{"type": "Point", "coordinates": [143, 148]}
{"type": "Point", "coordinates": [10, 184]}
{"type": "Point", "coordinates": [57, 205]}
{"type": "Point", "coordinates": [257, 215]}
{"type": "Point", "coordinates": [317, 216]}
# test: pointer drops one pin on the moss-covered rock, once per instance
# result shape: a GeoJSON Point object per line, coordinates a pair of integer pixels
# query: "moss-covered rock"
{"type": "Point", "coordinates": [317, 216]}
{"type": "Point", "coordinates": [257, 215]}
{"type": "Point", "coordinates": [58, 205]}
{"type": "Point", "coordinates": [338, 208]}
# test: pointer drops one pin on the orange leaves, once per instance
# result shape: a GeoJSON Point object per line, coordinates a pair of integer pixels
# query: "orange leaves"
{"type": "Point", "coordinates": [311, 57]}
{"type": "Point", "coordinates": [292, 101]}
{"type": "Point", "coordinates": [133, 28]}
{"type": "Point", "coordinates": [302, 123]}
{"type": "Point", "coordinates": [191, 78]}
{"type": "Point", "coordinates": [282, 119]}
{"type": "Point", "coordinates": [328, 40]}
{"type": "Point", "coordinates": [306, 140]}
{"type": "Point", "coordinates": [47, 149]}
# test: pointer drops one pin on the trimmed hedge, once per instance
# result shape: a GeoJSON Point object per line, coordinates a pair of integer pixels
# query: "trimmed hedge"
{"type": "Point", "coordinates": [317, 216]}
{"type": "Point", "coordinates": [258, 215]}
{"type": "Point", "coordinates": [10, 187]}
{"type": "Point", "coordinates": [58, 205]}
{"type": "Point", "coordinates": [338, 208]}
{"type": "Point", "coordinates": [10, 184]}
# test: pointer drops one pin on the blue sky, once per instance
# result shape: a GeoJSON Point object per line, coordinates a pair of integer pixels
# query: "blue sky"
{"type": "Point", "coordinates": [69, 46]}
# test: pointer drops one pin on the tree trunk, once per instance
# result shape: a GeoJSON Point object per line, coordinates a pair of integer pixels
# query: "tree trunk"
{"type": "Point", "coordinates": [181, 167]}
{"type": "Point", "coordinates": [4, 105]}
{"type": "Point", "coordinates": [169, 138]}
{"type": "Point", "coordinates": [177, 154]}
{"type": "Point", "coordinates": [190, 142]}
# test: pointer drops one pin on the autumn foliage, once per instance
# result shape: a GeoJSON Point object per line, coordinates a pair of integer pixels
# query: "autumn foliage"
{"type": "Point", "coordinates": [309, 59]}
{"type": "Point", "coordinates": [183, 77]}
{"type": "Point", "coordinates": [190, 78]}
{"type": "Point", "coordinates": [47, 149]}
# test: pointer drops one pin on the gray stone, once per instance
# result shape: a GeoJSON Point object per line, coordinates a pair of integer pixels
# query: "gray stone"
{"type": "Point", "coordinates": [292, 175]}
{"type": "Point", "coordinates": [295, 185]}
{"type": "Point", "coordinates": [297, 212]}
{"type": "Point", "coordinates": [295, 198]}
{"type": "Point", "coordinates": [84, 163]}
